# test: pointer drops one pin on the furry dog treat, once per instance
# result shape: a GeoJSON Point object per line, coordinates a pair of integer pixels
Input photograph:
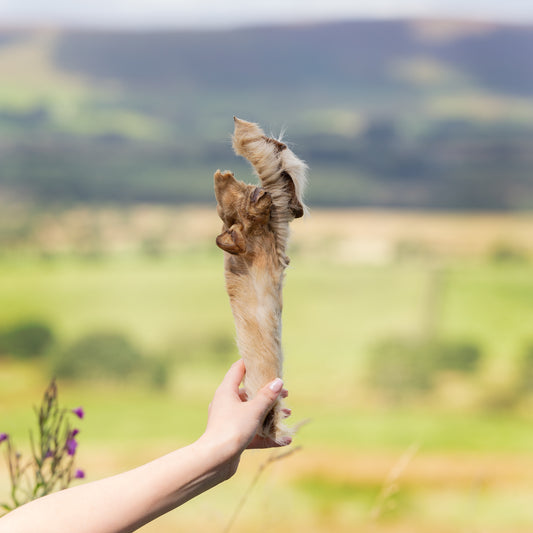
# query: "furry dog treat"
{"type": "Point", "coordinates": [254, 238]}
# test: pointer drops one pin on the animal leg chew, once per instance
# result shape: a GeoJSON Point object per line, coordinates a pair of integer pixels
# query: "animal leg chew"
{"type": "Point", "coordinates": [254, 238]}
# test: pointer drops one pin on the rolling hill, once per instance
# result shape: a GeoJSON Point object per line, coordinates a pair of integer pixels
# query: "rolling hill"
{"type": "Point", "coordinates": [418, 114]}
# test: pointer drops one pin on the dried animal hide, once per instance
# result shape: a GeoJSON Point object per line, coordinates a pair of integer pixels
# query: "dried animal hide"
{"type": "Point", "coordinates": [254, 238]}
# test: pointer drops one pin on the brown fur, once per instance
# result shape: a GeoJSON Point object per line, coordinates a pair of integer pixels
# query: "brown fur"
{"type": "Point", "coordinates": [254, 237]}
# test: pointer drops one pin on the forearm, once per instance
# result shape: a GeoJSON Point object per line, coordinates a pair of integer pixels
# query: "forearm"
{"type": "Point", "coordinates": [125, 502]}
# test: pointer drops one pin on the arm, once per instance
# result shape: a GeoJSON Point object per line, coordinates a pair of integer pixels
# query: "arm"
{"type": "Point", "coordinates": [125, 502]}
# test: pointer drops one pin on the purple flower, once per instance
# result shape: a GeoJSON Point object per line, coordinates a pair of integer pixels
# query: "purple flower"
{"type": "Point", "coordinates": [74, 432]}
{"type": "Point", "coordinates": [71, 446]}
{"type": "Point", "coordinates": [3, 437]}
{"type": "Point", "coordinates": [80, 474]}
{"type": "Point", "coordinates": [79, 412]}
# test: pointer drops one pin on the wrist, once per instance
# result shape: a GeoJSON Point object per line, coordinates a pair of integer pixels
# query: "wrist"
{"type": "Point", "coordinates": [222, 454]}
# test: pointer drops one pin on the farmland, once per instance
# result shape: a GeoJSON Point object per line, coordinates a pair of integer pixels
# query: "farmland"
{"type": "Point", "coordinates": [454, 456]}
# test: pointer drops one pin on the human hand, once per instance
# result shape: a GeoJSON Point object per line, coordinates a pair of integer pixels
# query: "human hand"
{"type": "Point", "coordinates": [233, 420]}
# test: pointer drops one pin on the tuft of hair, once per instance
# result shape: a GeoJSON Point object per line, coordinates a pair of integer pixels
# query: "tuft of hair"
{"type": "Point", "coordinates": [280, 172]}
{"type": "Point", "coordinates": [274, 427]}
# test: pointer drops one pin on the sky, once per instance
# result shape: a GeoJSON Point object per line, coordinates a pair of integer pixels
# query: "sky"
{"type": "Point", "coordinates": [232, 13]}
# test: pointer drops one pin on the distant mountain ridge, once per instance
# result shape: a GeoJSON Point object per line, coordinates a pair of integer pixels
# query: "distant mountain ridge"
{"type": "Point", "coordinates": [345, 51]}
{"type": "Point", "coordinates": [403, 113]}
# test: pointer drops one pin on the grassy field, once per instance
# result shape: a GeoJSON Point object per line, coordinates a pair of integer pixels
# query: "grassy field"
{"type": "Point", "coordinates": [347, 288]}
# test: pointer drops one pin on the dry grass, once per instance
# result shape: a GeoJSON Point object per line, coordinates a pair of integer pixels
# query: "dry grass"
{"type": "Point", "coordinates": [424, 469]}
{"type": "Point", "coordinates": [436, 492]}
{"type": "Point", "coordinates": [373, 234]}
{"type": "Point", "coordinates": [350, 235]}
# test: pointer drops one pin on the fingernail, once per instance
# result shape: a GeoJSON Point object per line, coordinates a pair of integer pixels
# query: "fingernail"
{"type": "Point", "coordinates": [276, 385]}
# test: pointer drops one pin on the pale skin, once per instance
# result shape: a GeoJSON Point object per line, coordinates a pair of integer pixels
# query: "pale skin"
{"type": "Point", "coordinates": [127, 501]}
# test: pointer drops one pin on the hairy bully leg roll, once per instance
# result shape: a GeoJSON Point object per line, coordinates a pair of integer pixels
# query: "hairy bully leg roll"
{"type": "Point", "coordinates": [254, 238]}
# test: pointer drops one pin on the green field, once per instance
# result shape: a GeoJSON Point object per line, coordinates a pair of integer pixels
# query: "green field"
{"type": "Point", "coordinates": [174, 305]}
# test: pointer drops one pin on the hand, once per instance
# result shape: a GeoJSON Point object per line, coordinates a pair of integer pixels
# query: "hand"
{"type": "Point", "coordinates": [233, 421]}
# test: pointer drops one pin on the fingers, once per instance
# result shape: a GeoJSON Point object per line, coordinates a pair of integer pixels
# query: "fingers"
{"type": "Point", "coordinates": [266, 397]}
{"type": "Point", "coordinates": [243, 395]}
{"type": "Point", "coordinates": [263, 442]}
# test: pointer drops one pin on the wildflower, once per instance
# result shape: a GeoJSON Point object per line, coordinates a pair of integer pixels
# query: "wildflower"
{"type": "Point", "coordinates": [79, 412]}
{"type": "Point", "coordinates": [52, 463]}
{"type": "Point", "coordinates": [71, 446]}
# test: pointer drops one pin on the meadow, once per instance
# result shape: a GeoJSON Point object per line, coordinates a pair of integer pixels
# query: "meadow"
{"type": "Point", "coordinates": [455, 456]}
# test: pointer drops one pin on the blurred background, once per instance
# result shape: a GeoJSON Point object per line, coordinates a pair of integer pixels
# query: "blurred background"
{"type": "Point", "coordinates": [407, 321]}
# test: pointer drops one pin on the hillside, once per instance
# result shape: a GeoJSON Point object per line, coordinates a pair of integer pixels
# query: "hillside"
{"type": "Point", "coordinates": [432, 114]}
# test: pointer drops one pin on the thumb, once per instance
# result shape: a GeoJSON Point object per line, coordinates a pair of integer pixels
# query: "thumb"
{"type": "Point", "coordinates": [267, 396]}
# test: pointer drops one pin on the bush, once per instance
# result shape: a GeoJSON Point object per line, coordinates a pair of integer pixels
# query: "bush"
{"type": "Point", "coordinates": [525, 370]}
{"type": "Point", "coordinates": [211, 347]}
{"type": "Point", "coordinates": [222, 347]}
{"type": "Point", "coordinates": [461, 357]}
{"type": "Point", "coordinates": [412, 250]}
{"type": "Point", "coordinates": [156, 370]}
{"type": "Point", "coordinates": [504, 252]}
{"type": "Point", "coordinates": [99, 356]}
{"type": "Point", "coordinates": [153, 247]}
{"type": "Point", "coordinates": [399, 366]}
{"type": "Point", "coordinates": [27, 339]}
